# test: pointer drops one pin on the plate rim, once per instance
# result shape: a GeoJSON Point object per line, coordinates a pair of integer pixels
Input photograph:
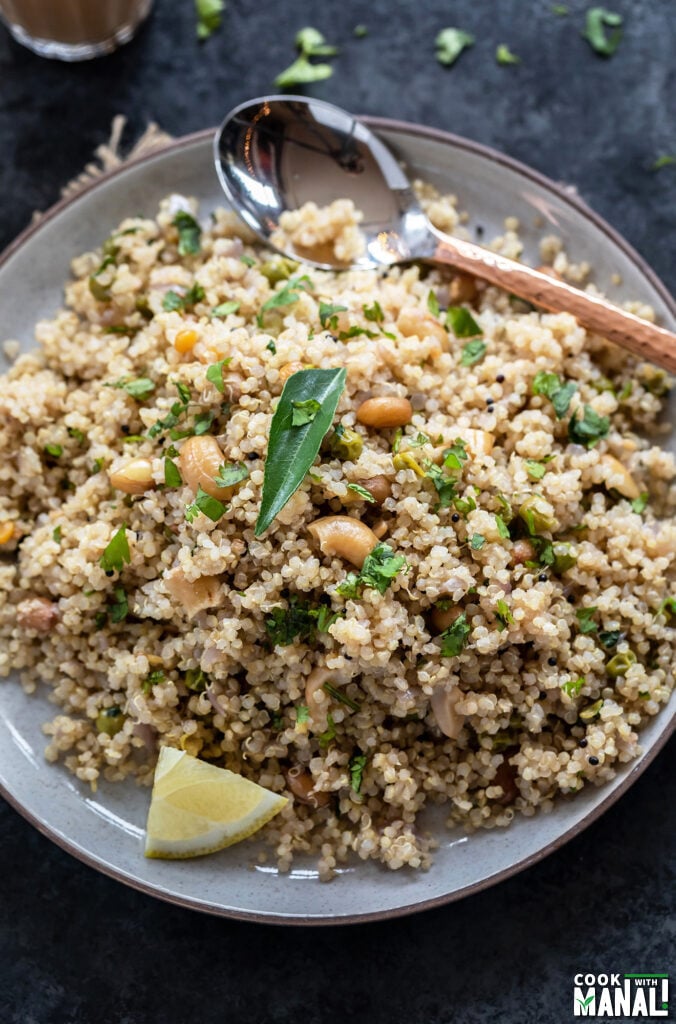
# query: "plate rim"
{"type": "Point", "coordinates": [71, 846]}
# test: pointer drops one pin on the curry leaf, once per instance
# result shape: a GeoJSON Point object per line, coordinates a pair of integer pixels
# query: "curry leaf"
{"type": "Point", "coordinates": [292, 450]}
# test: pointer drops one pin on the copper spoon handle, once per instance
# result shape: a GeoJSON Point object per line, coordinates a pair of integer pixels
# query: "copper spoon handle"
{"type": "Point", "coordinates": [654, 344]}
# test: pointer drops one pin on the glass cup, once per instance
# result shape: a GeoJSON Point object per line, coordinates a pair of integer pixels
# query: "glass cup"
{"type": "Point", "coordinates": [73, 29]}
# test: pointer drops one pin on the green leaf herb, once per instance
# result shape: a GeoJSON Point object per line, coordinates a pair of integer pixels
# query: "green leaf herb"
{"type": "Point", "coordinates": [639, 504]}
{"type": "Point", "coordinates": [573, 686]}
{"type": "Point", "coordinates": [215, 374]}
{"type": "Point", "coordinates": [456, 455]}
{"type": "Point", "coordinates": [119, 609]}
{"type": "Point", "coordinates": [304, 411]}
{"type": "Point", "coordinates": [330, 733]}
{"type": "Point", "coordinates": [444, 485]}
{"type": "Point", "coordinates": [224, 309]}
{"type": "Point", "coordinates": [433, 303]}
{"type": "Point", "coordinates": [454, 638]}
{"type": "Point", "coordinates": [450, 43]}
{"type": "Point", "coordinates": [477, 541]}
{"type": "Point", "coordinates": [100, 289]}
{"type": "Point", "coordinates": [189, 233]}
{"type": "Point", "coordinates": [208, 16]}
{"type": "Point", "coordinates": [116, 552]}
{"type": "Point", "coordinates": [585, 618]}
{"type": "Point", "coordinates": [356, 766]}
{"type": "Point", "coordinates": [589, 429]}
{"type": "Point", "coordinates": [504, 55]}
{"type": "Point", "coordinates": [328, 315]}
{"type": "Point", "coordinates": [379, 569]}
{"type": "Point", "coordinates": [557, 391]}
{"type": "Point", "coordinates": [153, 678]}
{"type": "Point", "coordinates": [286, 296]}
{"type": "Point", "coordinates": [196, 680]}
{"type": "Point", "coordinates": [298, 621]}
{"type": "Point", "coordinates": [502, 526]}
{"type": "Point", "coordinates": [172, 476]}
{"type": "Point", "coordinates": [54, 451]}
{"type": "Point", "coordinates": [248, 261]}
{"type": "Point", "coordinates": [311, 43]}
{"type": "Point", "coordinates": [173, 302]}
{"type": "Point", "coordinates": [374, 313]}
{"type": "Point", "coordinates": [536, 469]}
{"type": "Point", "coordinates": [293, 449]}
{"type": "Point", "coordinates": [503, 615]}
{"type": "Point", "coordinates": [230, 474]}
{"type": "Point", "coordinates": [271, 347]}
{"type": "Point", "coordinates": [302, 714]}
{"type": "Point", "coordinates": [56, 534]}
{"type": "Point", "coordinates": [598, 18]}
{"type": "Point", "coordinates": [610, 637]}
{"type": "Point", "coordinates": [212, 508]}
{"type": "Point", "coordinates": [140, 389]}
{"type": "Point", "coordinates": [472, 352]}
{"type": "Point", "coordinates": [666, 160]}
{"type": "Point", "coordinates": [461, 322]}
{"type": "Point", "coordinates": [363, 492]}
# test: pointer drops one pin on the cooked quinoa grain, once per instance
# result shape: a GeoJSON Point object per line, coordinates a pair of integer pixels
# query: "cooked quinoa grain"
{"type": "Point", "coordinates": [461, 657]}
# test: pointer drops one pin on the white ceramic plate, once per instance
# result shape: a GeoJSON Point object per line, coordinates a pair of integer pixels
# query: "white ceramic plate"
{"type": "Point", "coordinates": [105, 830]}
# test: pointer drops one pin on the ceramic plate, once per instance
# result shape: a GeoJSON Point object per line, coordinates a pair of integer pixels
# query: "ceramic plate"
{"type": "Point", "coordinates": [106, 829]}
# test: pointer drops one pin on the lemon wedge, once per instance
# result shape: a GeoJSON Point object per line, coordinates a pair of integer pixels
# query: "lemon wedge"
{"type": "Point", "coordinates": [197, 808]}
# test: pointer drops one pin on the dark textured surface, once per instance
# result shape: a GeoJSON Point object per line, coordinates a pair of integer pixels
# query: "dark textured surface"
{"type": "Point", "coordinates": [77, 948]}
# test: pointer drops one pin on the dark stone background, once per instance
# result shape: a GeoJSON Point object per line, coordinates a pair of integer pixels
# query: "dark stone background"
{"type": "Point", "coordinates": [78, 948]}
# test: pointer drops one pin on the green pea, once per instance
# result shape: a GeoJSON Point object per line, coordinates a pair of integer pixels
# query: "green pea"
{"type": "Point", "coordinates": [346, 444]}
{"type": "Point", "coordinates": [110, 721]}
{"type": "Point", "coordinates": [620, 663]}
{"type": "Point", "coordinates": [564, 557]}
{"type": "Point", "coordinates": [279, 268]}
{"type": "Point", "coordinates": [536, 516]}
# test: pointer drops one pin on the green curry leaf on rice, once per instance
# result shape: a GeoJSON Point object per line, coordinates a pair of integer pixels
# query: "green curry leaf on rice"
{"type": "Point", "coordinates": [293, 449]}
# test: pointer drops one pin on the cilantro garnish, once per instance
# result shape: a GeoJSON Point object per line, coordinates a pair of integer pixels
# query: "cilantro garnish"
{"type": "Point", "coordinates": [585, 618]}
{"type": "Point", "coordinates": [215, 374]}
{"type": "Point", "coordinates": [286, 296]}
{"type": "Point", "coordinates": [380, 567]}
{"type": "Point", "coordinates": [116, 552]}
{"type": "Point", "coordinates": [473, 352]}
{"type": "Point", "coordinates": [502, 526]}
{"type": "Point", "coordinates": [503, 615]}
{"type": "Point", "coordinates": [573, 686]}
{"type": "Point", "coordinates": [450, 43]}
{"type": "Point", "coordinates": [598, 18]}
{"type": "Point", "coordinates": [212, 508]}
{"type": "Point", "coordinates": [302, 714]}
{"type": "Point", "coordinates": [454, 638]}
{"type": "Point", "coordinates": [589, 429]}
{"type": "Point", "coordinates": [363, 492]}
{"type": "Point", "coordinates": [477, 541]}
{"type": "Point", "coordinates": [172, 476]}
{"type": "Point", "coordinates": [456, 454]}
{"type": "Point", "coordinates": [208, 17]}
{"type": "Point", "coordinates": [119, 609]}
{"type": "Point", "coordinates": [189, 233]}
{"type": "Point", "coordinates": [311, 43]}
{"type": "Point", "coordinates": [224, 309]}
{"type": "Point", "coordinates": [330, 734]}
{"type": "Point", "coordinates": [54, 451]}
{"type": "Point", "coordinates": [639, 504]}
{"type": "Point", "coordinates": [444, 485]}
{"type": "Point", "coordinates": [173, 302]}
{"type": "Point", "coordinates": [433, 303]}
{"type": "Point", "coordinates": [56, 534]}
{"type": "Point", "coordinates": [461, 322]}
{"type": "Point", "coordinates": [610, 637]}
{"type": "Point", "coordinates": [231, 473]}
{"type": "Point", "coordinates": [328, 315]}
{"type": "Point", "coordinates": [504, 55]}
{"type": "Point", "coordinates": [356, 766]}
{"type": "Point", "coordinates": [299, 621]}
{"type": "Point", "coordinates": [374, 313]}
{"type": "Point", "coordinates": [557, 391]}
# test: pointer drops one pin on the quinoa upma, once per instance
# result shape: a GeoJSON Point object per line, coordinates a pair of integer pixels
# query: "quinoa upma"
{"type": "Point", "coordinates": [469, 598]}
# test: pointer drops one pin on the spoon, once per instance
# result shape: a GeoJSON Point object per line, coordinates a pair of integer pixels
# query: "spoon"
{"type": "Point", "coordinates": [276, 153]}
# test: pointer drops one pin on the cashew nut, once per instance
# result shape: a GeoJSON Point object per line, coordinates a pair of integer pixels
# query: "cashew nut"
{"type": "Point", "coordinates": [199, 461]}
{"type": "Point", "coordinates": [617, 476]}
{"type": "Point", "coordinates": [343, 536]}
{"type": "Point", "coordinates": [443, 707]}
{"type": "Point", "coordinates": [414, 321]}
{"type": "Point", "coordinates": [133, 477]}
{"type": "Point", "coordinates": [302, 785]}
{"type": "Point", "coordinates": [193, 595]}
{"type": "Point", "coordinates": [385, 411]}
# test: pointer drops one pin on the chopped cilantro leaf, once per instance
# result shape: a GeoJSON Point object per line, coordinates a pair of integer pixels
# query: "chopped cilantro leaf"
{"type": "Point", "coordinates": [215, 374]}
{"type": "Point", "coordinates": [120, 606]}
{"type": "Point", "coordinates": [56, 534]}
{"type": "Point", "coordinates": [231, 473]}
{"type": "Point", "coordinates": [610, 637]}
{"type": "Point", "coordinates": [598, 18]}
{"type": "Point", "coordinates": [477, 541]}
{"type": "Point", "coordinates": [504, 55]}
{"type": "Point", "coordinates": [461, 322]}
{"type": "Point", "coordinates": [473, 352]}
{"type": "Point", "coordinates": [374, 313]}
{"type": "Point", "coordinates": [271, 347]}
{"type": "Point", "coordinates": [502, 526]}
{"type": "Point", "coordinates": [116, 552]}
{"type": "Point", "coordinates": [454, 638]}
{"type": "Point", "coordinates": [585, 618]}
{"type": "Point", "coordinates": [212, 508]}
{"type": "Point", "coordinates": [639, 504]}
{"type": "Point", "coordinates": [433, 303]}
{"type": "Point", "coordinates": [503, 615]}
{"type": "Point", "coordinates": [172, 476]}
{"type": "Point", "coordinates": [667, 607]}
{"type": "Point", "coordinates": [329, 735]}
{"type": "Point", "coordinates": [379, 569]}
{"type": "Point", "coordinates": [224, 309]}
{"type": "Point", "coordinates": [248, 261]}
{"type": "Point", "coordinates": [589, 429]}
{"type": "Point", "coordinates": [450, 43]}
{"type": "Point", "coordinates": [355, 332]}
{"type": "Point", "coordinates": [456, 454]}
{"type": "Point", "coordinates": [208, 17]}
{"type": "Point", "coordinates": [311, 43]}
{"type": "Point", "coordinates": [55, 451]}
{"type": "Point", "coordinates": [356, 766]}
{"type": "Point", "coordinates": [573, 686]}
{"type": "Point", "coordinates": [286, 296]}
{"type": "Point", "coordinates": [328, 315]}
{"type": "Point", "coordinates": [302, 714]}
{"type": "Point", "coordinates": [299, 621]}
{"type": "Point", "coordinates": [444, 485]}
{"type": "Point", "coordinates": [189, 233]}
{"type": "Point", "coordinates": [557, 391]}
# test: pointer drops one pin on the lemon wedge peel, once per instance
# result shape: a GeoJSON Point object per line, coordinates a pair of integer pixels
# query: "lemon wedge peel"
{"type": "Point", "coordinates": [197, 808]}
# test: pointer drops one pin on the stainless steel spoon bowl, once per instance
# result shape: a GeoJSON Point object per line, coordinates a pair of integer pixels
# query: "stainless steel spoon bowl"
{"type": "Point", "coordinates": [277, 153]}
